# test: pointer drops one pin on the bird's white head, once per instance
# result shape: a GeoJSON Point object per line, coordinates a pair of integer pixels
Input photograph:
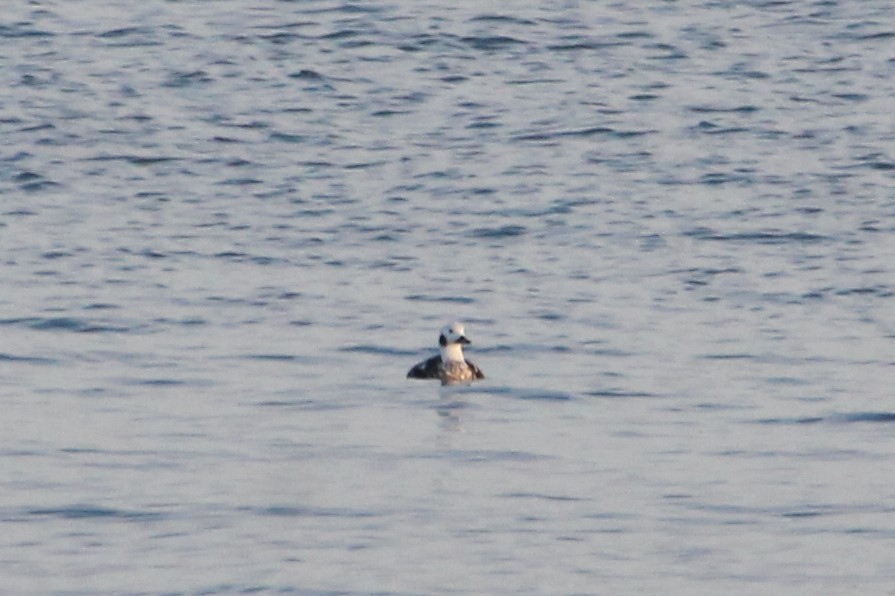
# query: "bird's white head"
{"type": "Point", "coordinates": [453, 334]}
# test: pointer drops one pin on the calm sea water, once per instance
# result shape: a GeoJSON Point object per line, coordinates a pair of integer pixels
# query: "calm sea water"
{"type": "Point", "coordinates": [229, 228]}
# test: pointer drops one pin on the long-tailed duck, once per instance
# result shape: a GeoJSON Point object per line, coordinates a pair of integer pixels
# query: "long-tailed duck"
{"type": "Point", "coordinates": [450, 366]}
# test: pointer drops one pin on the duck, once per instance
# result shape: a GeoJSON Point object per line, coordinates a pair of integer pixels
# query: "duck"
{"type": "Point", "coordinates": [450, 366]}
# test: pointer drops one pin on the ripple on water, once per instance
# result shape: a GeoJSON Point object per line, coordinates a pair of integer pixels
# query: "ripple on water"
{"type": "Point", "coordinates": [94, 512]}
{"type": "Point", "coordinates": [27, 359]}
{"type": "Point", "coordinates": [293, 511]}
{"type": "Point", "coordinates": [377, 350]}
{"type": "Point", "coordinates": [543, 497]}
{"type": "Point", "coordinates": [432, 298]}
{"type": "Point", "coordinates": [485, 456]}
{"type": "Point", "coordinates": [523, 393]}
{"type": "Point", "coordinates": [508, 231]}
{"type": "Point", "coordinates": [620, 394]}
{"type": "Point", "coordinates": [758, 237]}
{"type": "Point", "coordinates": [74, 324]}
{"type": "Point", "coordinates": [835, 418]}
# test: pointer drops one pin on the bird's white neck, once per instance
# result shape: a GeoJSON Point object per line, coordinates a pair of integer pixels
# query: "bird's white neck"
{"type": "Point", "coordinates": [452, 353]}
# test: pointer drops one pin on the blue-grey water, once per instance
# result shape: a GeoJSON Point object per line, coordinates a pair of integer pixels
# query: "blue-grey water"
{"type": "Point", "coordinates": [229, 228]}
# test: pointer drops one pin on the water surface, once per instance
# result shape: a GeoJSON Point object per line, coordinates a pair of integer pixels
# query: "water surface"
{"type": "Point", "coordinates": [229, 228]}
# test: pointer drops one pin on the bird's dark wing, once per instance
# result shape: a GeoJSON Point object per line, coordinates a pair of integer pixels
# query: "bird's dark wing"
{"type": "Point", "coordinates": [476, 371]}
{"type": "Point", "coordinates": [427, 369]}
